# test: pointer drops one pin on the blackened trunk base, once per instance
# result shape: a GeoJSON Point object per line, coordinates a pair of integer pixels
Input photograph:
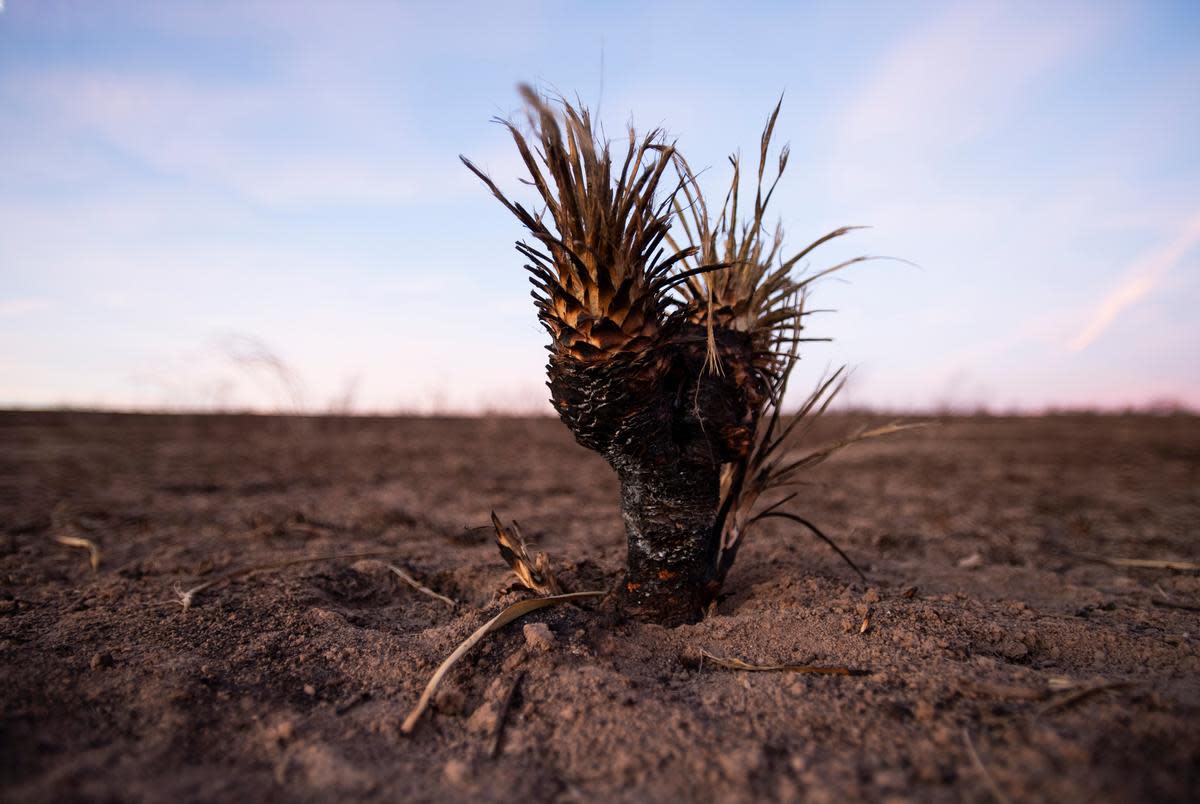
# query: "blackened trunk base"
{"type": "Point", "coordinates": [666, 424]}
{"type": "Point", "coordinates": [669, 523]}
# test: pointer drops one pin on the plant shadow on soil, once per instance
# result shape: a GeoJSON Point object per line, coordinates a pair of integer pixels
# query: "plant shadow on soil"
{"type": "Point", "coordinates": [986, 631]}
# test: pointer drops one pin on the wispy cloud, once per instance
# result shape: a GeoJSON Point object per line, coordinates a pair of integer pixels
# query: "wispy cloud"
{"type": "Point", "coordinates": [1146, 274]}
{"type": "Point", "coordinates": [15, 307]}
{"type": "Point", "coordinates": [952, 80]}
{"type": "Point", "coordinates": [211, 134]}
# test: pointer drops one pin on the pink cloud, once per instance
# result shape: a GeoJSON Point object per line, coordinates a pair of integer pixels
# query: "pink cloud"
{"type": "Point", "coordinates": [1146, 274]}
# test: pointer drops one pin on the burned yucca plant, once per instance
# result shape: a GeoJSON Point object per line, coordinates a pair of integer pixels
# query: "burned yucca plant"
{"type": "Point", "coordinates": [669, 359]}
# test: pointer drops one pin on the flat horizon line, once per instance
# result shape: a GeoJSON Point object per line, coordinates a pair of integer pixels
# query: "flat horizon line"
{"type": "Point", "coordinates": [1149, 410]}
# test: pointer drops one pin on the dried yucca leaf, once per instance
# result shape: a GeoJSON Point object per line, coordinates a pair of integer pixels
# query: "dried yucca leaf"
{"type": "Point", "coordinates": [982, 770]}
{"type": "Point", "coordinates": [761, 293]}
{"type": "Point", "coordinates": [513, 612]}
{"type": "Point", "coordinates": [533, 573]}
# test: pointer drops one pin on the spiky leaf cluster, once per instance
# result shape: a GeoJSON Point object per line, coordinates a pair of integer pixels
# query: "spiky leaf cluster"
{"type": "Point", "coordinates": [600, 281]}
{"type": "Point", "coordinates": [759, 291]}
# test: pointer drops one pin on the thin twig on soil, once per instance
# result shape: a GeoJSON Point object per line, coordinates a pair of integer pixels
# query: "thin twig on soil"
{"type": "Point", "coordinates": [738, 664]}
{"type": "Point", "coordinates": [533, 573]}
{"type": "Point", "coordinates": [989, 689]}
{"type": "Point", "coordinates": [185, 597]}
{"type": "Point", "coordinates": [86, 544]}
{"type": "Point", "coordinates": [513, 612]}
{"type": "Point", "coordinates": [415, 584]}
{"type": "Point", "coordinates": [1171, 604]}
{"type": "Point", "coordinates": [502, 717]}
{"type": "Point", "coordinates": [1143, 563]}
{"type": "Point", "coordinates": [996, 792]}
{"type": "Point", "coordinates": [351, 702]}
{"type": "Point", "coordinates": [66, 534]}
{"type": "Point", "coordinates": [1079, 695]}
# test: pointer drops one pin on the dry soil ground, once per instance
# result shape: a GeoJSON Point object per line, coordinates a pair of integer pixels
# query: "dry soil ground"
{"type": "Point", "coordinates": [1001, 661]}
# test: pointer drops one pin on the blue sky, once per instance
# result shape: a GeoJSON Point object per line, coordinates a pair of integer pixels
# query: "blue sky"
{"type": "Point", "coordinates": [188, 187]}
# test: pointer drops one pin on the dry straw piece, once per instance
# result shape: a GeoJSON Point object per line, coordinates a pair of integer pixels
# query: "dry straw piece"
{"type": "Point", "coordinates": [185, 597]}
{"type": "Point", "coordinates": [513, 612]}
{"type": "Point", "coordinates": [66, 534]}
{"type": "Point", "coordinates": [502, 717]}
{"type": "Point", "coordinates": [992, 787]}
{"type": "Point", "coordinates": [415, 584]}
{"type": "Point", "coordinates": [1144, 563]}
{"type": "Point", "coordinates": [738, 664]}
{"type": "Point", "coordinates": [86, 544]}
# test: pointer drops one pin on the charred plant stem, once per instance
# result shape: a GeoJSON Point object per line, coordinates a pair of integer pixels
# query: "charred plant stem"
{"type": "Point", "coordinates": [666, 425]}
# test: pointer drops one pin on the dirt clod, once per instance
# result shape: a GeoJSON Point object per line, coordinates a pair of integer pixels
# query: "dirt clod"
{"type": "Point", "coordinates": [457, 773]}
{"type": "Point", "coordinates": [973, 561]}
{"type": "Point", "coordinates": [539, 637]}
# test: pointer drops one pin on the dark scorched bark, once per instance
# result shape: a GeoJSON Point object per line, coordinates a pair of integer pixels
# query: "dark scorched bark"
{"type": "Point", "coordinates": [666, 424]}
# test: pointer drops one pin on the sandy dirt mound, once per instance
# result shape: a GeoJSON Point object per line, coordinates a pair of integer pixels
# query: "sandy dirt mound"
{"type": "Point", "coordinates": [999, 659]}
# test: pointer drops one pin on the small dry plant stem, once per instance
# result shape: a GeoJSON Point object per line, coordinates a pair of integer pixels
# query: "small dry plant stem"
{"type": "Point", "coordinates": [1080, 694]}
{"type": "Point", "coordinates": [502, 718]}
{"type": "Point", "coordinates": [66, 534]}
{"type": "Point", "coordinates": [738, 664]}
{"type": "Point", "coordinates": [415, 584]}
{"type": "Point", "coordinates": [186, 597]}
{"type": "Point", "coordinates": [1144, 563]}
{"type": "Point", "coordinates": [992, 787]}
{"type": "Point", "coordinates": [513, 612]}
{"type": "Point", "coordinates": [86, 544]}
